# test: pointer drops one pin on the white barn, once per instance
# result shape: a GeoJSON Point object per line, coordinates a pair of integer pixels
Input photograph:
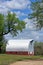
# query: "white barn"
{"type": "Point", "coordinates": [20, 47]}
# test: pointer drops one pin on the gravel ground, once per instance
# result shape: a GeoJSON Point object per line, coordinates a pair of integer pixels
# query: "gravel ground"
{"type": "Point", "coordinates": [28, 63]}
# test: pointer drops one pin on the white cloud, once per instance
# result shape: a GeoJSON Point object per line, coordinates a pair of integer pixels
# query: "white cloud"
{"type": "Point", "coordinates": [28, 33]}
{"type": "Point", "coordinates": [21, 4]}
{"type": "Point", "coordinates": [29, 7]}
{"type": "Point", "coordinates": [13, 4]}
{"type": "Point", "coordinates": [16, 4]}
{"type": "Point", "coordinates": [36, 35]}
{"type": "Point", "coordinates": [3, 10]}
{"type": "Point", "coordinates": [18, 13]}
{"type": "Point", "coordinates": [8, 36]}
{"type": "Point", "coordinates": [29, 23]}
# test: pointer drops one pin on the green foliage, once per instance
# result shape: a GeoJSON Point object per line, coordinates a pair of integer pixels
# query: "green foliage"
{"type": "Point", "coordinates": [3, 48]}
{"type": "Point", "coordinates": [38, 48]}
{"type": "Point", "coordinates": [37, 14]}
{"type": "Point", "coordinates": [9, 24]}
{"type": "Point", "coordinates": [13, 24]}
{"type": "Point", "coordinates": [1, 26]}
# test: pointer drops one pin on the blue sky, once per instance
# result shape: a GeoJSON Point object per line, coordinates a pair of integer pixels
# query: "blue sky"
{"type": "Point", "coordinates": [22, 9]}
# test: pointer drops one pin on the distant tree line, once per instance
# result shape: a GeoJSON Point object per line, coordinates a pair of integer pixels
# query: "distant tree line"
{"type": "Point", "coordinates": [38, 48]}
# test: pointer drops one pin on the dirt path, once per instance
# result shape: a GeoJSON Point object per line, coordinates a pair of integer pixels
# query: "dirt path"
{"type": "Point", "coordinates": [28, 63]}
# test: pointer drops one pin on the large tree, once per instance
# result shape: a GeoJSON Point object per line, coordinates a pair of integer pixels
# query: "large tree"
{"type": "Point", "coordinates": [1, 26]}
{"type": "Point", "coordinates": [37, 13]}
{"type": "Point", "coordinates": [10, 24]}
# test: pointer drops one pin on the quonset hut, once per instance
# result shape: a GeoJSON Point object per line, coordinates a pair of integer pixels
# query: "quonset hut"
{"type": "Point", "coordinates": [20, 47]}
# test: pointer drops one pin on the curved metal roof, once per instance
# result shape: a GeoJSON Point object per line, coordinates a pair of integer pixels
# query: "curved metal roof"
{"type": "Point", "coordinates": [18, 45]}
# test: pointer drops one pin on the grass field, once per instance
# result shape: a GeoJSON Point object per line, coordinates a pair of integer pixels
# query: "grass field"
{"type": "Point", "coordinates": [7, 59]}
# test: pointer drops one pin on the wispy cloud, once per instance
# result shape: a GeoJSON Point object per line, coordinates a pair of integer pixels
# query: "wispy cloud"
{"type": "Point", "coordinates": [29, 24]}
{"type": "Point", "coordinates": [18, 14]}
{"type": "Point", "coordinates": [9, 5]}
{"type": "Point", "coordinates": [6, 5]}
{"type": "Point", "coordinates": [21, 8]}
{"type": "Point", "coordinates": [17, 4]}
{"type": "Point", "coordinates": [29, 33]}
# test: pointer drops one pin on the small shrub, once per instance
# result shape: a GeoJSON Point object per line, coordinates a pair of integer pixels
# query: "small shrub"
{"type": "Point", "coordinates": [38, 48]}
{"type": "Point", "coordinates": [3, 48]}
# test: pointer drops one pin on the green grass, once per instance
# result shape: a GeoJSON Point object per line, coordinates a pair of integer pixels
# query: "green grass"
{"type": "Point", "coordinates": [6, 59]}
